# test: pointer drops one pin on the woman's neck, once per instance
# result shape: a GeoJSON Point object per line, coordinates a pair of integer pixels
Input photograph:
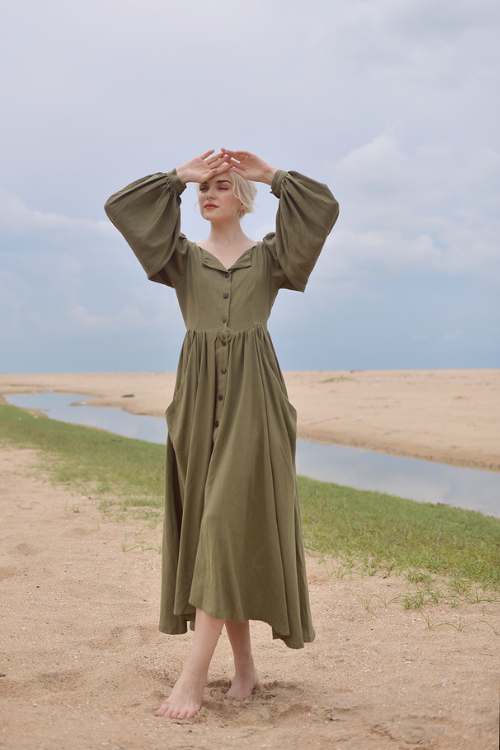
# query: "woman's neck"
{"type": "Point", "coordinates": [226, 238]}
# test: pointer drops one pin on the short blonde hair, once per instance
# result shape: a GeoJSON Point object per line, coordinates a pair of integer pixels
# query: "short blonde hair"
{"type": "Point", "coordinates": [244, 190]}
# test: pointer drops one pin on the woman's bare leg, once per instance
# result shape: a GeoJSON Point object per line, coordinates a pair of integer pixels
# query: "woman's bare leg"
{"type": "Point", "coordinates": [186, 698]}
{"type": "Point", "coordinates": [245, 678]}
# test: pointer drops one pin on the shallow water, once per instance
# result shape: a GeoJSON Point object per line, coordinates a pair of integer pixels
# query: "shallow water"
{"type": "Point", "coordinates": [424, 481]}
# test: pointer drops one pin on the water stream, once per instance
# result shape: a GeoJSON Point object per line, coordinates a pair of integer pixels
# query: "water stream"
{"type": "Point", "coordinates": [424, 481]}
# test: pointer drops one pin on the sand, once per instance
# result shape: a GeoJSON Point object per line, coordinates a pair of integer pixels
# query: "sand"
{"type": "Point", "coordinates": [85, 665]}
{"type": "Point", "coordinates": [83, 662]}
{"type": "Point", "coordinates": [449, 416]}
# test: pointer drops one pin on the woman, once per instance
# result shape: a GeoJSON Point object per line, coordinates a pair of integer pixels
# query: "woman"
{"type": "Point", "coordinates": [232, 542]}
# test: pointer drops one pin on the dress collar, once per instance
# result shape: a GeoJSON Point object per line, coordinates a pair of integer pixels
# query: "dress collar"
{"type": "Point", "coordinates": [244, 261]}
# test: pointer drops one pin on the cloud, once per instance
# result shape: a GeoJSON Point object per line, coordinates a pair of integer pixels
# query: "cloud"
{"type": "Point", "coordinates": [64, 276]}
{"type": "Point", "coordinates": [406, 210]}
{"type": "Point", "coordinates": [100, 92]}
{"type": "Point", "coordinates": [129, 318]}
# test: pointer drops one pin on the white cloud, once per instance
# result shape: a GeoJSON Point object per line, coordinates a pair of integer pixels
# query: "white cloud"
{"type": "Point", "coordinates": [128, 318]}
{"type": "Point", "coordinates": [18, 219]}
{"type": "Point", "coordinates": [414, 210]}
{"type": "Point", "coordinates": [71, 276]}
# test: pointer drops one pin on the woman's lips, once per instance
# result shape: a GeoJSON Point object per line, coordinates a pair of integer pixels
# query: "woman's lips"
{"type": "Point", "coordinates": [210, 205]}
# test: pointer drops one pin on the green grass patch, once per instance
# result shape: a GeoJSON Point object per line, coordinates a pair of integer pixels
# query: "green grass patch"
{"type": "Point", "coordinates": [391, 533]}
{"type": "Point", "coordinates": [92, 461]}
{"type": "Point", "coordinates": [370, 532]}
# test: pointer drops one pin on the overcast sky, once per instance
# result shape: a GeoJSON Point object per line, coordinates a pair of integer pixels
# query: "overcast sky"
{"type": "Point", "coordinates": [393, 103]}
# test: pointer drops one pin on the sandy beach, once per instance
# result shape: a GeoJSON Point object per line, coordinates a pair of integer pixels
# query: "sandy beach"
{"type": "Point", "coordinates": [83, 665]}
{"type": "Point", "coordinates": [449, 416]}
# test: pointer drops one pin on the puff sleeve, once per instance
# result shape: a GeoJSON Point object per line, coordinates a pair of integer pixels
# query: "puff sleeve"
{"type": "Point", "coordinates": [306, 214]}
{"type": "Point", "coordinates": [147, 213]}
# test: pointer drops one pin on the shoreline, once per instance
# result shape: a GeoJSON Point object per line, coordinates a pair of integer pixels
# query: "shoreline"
{"type": "Point", "coordinates": [445, 416]}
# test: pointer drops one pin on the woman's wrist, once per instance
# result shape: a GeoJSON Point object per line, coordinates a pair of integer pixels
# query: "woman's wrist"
{"type": "Point", "coordinates": [268, 176]}
{"type": "Point", "coordinates": [182, 175]}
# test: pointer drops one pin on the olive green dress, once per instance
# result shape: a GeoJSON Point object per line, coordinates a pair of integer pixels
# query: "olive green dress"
{"type": "Point", "coordinates": [232, 540]}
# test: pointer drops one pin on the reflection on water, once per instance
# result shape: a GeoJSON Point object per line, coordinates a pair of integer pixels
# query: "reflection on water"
{"type": "Point", "coordinates": [424, 481]}
{"type": "Point", "coordinates": [70, 407]}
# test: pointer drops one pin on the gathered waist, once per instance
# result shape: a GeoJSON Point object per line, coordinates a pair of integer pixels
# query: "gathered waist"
{"type": "Point", "coordinates": [225, 333]}
{"type": "Point", "coordinates": [200, 341]}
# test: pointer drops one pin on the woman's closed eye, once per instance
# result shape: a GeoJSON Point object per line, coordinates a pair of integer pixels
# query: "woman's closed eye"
{"type": "Point", "coordinates": [204, 188]}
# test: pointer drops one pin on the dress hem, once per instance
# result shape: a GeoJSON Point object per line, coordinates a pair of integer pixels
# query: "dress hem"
{"type": "Point", "coordinates": [188, 618]}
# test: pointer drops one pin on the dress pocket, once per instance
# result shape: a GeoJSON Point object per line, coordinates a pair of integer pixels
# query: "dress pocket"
{"type": "Point", "coordinates": [185, 359]}
{"type": "Point", "coordinates": [175, 399]}
{"type": "Point", "coordinates": [174, 414]}
{"type": "Point", "coordinates": [271, 367]}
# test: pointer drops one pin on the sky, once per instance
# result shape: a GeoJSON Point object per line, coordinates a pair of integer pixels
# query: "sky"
{"type": "Point", "coordinates": [393, 103]}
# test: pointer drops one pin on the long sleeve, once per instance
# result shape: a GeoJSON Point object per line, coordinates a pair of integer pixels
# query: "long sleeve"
{"type": "Point", "coordinates": [306, 214]}
{"type": "Point", "coordinates": [147, 213]}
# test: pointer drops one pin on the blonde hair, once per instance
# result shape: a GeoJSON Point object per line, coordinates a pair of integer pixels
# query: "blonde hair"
{"type": "Point", "coordinates": [244, 190]}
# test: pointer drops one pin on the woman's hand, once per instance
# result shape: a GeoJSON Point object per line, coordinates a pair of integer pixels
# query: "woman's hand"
{"type": "Point", "coordinates": [202, 168]}
{"type": "Point", "coordinates": [249, 166]}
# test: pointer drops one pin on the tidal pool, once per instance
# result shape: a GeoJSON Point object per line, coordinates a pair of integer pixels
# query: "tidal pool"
{"type": "Point", "coordinates": [424, 481]}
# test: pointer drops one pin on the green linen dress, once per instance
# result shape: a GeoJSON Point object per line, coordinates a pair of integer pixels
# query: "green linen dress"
{"type": "Point", "coordinates": [232, 539]}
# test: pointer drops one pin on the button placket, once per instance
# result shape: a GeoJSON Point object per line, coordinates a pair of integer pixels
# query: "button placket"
{"type": "Point", "coordinates": [221, 363]}
{"type": "Point", "coordinates": [226, 297]}
{"type": "Point", "coordinates": [222, 356]}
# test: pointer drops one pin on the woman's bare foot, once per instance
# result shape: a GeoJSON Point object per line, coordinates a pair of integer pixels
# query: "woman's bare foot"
{"type": "Point", "coordinates": [244, 681]}
{"type": "Point", "coordinates": [186, 698]}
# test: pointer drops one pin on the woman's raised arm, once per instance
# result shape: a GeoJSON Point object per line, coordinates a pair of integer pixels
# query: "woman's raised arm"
{"type": "Point", "coordinates": [306, 214]}
{"type": "Point", "coordinates": [147, 213]}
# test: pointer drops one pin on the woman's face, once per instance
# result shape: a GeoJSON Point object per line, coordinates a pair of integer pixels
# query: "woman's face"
{"type": "Point", "coordinates": [217, 200]}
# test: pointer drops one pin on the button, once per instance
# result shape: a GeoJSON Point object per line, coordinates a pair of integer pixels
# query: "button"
{"type": "Point", "coordinates": [226, 274]}
{"type": "Point", "coordinates": [220, 396]}
{"type": "Point", "coordinates": [224, 319]}
{"type": "Point", "coordinates": [216, 423]}
{"type": "Point", "coordinates": [224, 342]}
{"type": "Point", "coordinates": [225, 295]}
{"type": "Point", "coordinates": [223, 370]}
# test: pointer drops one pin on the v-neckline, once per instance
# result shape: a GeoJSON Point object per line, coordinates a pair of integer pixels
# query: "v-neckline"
{"type": "Point", "coordinates": [228, 268]}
